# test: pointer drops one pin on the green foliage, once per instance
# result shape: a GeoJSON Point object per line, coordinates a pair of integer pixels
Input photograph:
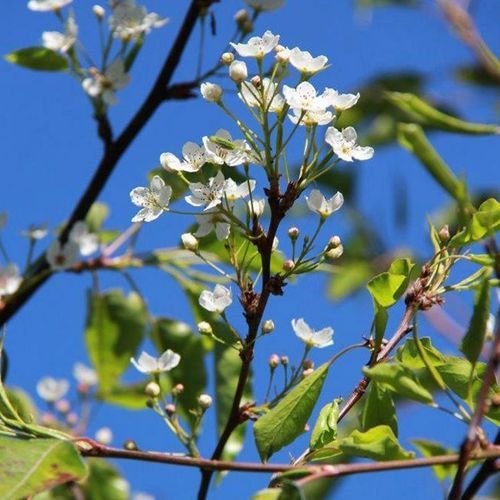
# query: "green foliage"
{"type": "Point", "coordinates": [29, 466]}
{"type": "Point", "coordinates": [130, 396]}
{"type": "Point", "coordinates": [114, 331]}
{"type": "Point", "coordinates": [431, 449]}
{"type": "Point", "coordinates": [96, 216]}
{"type": "Point", "coordinates": [38, 58]}
{"type": "Point", "coordinates": [378, 409]}
{"type": "Point", "coordinates": [22, 404]}
{"type": "Point", "coordinates": [325, 429]}
{"type": "Point", "coordinates": [286, 421]}
{"type": "Point", "coordinates": [408, 354]}
{"type": "Point", "coordinates": [348, 278]}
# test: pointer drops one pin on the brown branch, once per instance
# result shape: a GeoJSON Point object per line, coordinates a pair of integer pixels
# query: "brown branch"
{"type": "Point", "coordinates": [113, 151]}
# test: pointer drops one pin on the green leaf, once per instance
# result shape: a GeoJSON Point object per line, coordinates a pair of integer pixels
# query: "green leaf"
{"type": "Point", "coordinates": [325, 429]}
{"type": "Point", "coordinates": [379, 409]}
{"type": "Point", "coordinates": [348, 278]}
{"type": "Point", "coordinates": [22, 403]}
{"type": "Point", "coordinates": [96, 216]}
{"type": "Point", "coordinates": [379, 324]}
{"type": "Point", "coordinates": [286, 421]}
{"type": "Point", "coordinates": [409, 356]}
{"type": "Point", "coordinates": [399, 379]}
{"type": "Point", "coordinates": [473, 341]}
{"type": "Point", "coordinates": [38, 58]}
{"type": "Point", "coordinates": [104, 482]}
{"type": "Point", "coordinates": [170, 334]}
{"type": "Point", "coordinates": [130, 396]}
{"type": "Point", "coordinates": [431, 449]}
{"type": "Point", "coordinates": [115, 329]}
{"type": "Point", "coordinates": [387, 288]}
{"type": "Point", "coordinates": [29, 466]}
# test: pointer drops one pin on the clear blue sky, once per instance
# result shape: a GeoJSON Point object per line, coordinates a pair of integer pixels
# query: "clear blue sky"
{"type": "Point", "coordinates": [49, 151]}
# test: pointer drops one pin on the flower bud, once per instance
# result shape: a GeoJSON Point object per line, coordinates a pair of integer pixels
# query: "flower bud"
{"type": "Point", "coordinates": [211, 92]}
{"type": "Point", "coordinates": [104, 435]}
{"type": "Point", "coordinates": [288, 265]}
{"type": "Point", "coordinates": [238, 71]}
{"type": "Point", "coordinates": [267, 326]}
{"type": "Point", "coordinates": [227, 58]}
{"type": "Point", "coordinates": [205, 401]}
{"type": "Point", "coordinates": [293, 233]}
{"type": "Point", "coordinates": [334, 242]}
{"type": "Point", "coordinates": [205, 328]}
{"type": "Point", "coordinates": [255, 81]}
{"type": "Point", "coordinates": [284, 360]}
{"type": "Point", "coordinates": [241, 16]}
{"type": "Point", "coordinates": [334, 253]}
{"type": "Point", "coordinates": [71, 418]}
{"type": "Point", "coordinates": [307, 364]}
{"type": "Point", "coordinates": [99, 12]}
{"type": "Point", "coordinates": [170, 409]}
{"type": "Point", "coordinates": [152, 390]}
{"type": "Point", "coordinates": [62, 406]}
{"type": "Point", "coordinates": [444, 233]}
{"type": "Point", "coordinates": [190, 241]}
{"type": "Point", "coordinates": [307, 372]}
{"type": "Point", "coordinates": [177, 389]}
{"type": "Point", "coordinates": [130, 445]}
{"type": "Point", "coordinates": [274, 361]}
{"type": "Point", "coordinates": [256, 207]}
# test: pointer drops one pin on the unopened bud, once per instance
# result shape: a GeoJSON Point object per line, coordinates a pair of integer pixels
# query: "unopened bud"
{"type": "Point", "coordinates": [152, 390]}
{"type": "Point", "coordinates": [256, 81]}
{"type": "Point", "coordinates": [256, 207]}
{"type": "Point", "coordinates": [71, 418]}
{"type": "Point", "coordinates": [238, 71]}
{"type": "Point", "coordinates": [307, 364]}
{"type": "Point", "coordinates": [267, 326]}
{"type": "Point", "coordinates": [205, 328]}
{"type": "Point", "coordinates": [284, 360]}
{"type": "Point", "coordinates": [170, 409]}
{"type": "Point", "coordinates": [177, 389]}
{"type": "Point", "coordinates": [190, 241]}
{"type": "Point", "coordinates": [241, 16]}
{"type": "Point", "coordinates": [444, 233]}
{"type": "Point", "coordinates": [274, 361]}
{"type": "Point", "coordinates": [104, 435]}
{"type": "Point", "coordinates": [307, 372]}
{"type": "Point", "coordinates": [99, 12]}
{"type": "Point", "coordinates": [130, 445]}
{"type": "Point", "coordinates": [62, 406]}
{"type": "Point", "coordinates": [334, 253]}
{"type": "Point", "coordinates": [205, 401]}
{"type": "Point", "coordinates": [293, 233]}
{"type": "Point", "coordinates": [288, 265]}
{"type": "Point", "coordinates": [211, 92]}
{"type": "Point", "coordinates": [307, 428]}
{"type": "Point", "coordinates": [227, 58]}
{"type": "Point", "coordinates": [334, 242]}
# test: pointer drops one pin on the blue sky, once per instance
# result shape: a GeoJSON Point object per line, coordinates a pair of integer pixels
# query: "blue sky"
{"type": "Point", "coordinates": [49, 151]}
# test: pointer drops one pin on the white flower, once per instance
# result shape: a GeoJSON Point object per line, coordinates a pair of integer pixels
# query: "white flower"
{"type": "Point", "coordinates": [106, 85]}
{"type": "Point", "coordinates": [130, 21]}
{"type": "Point", "coordinates": [10, 280]}
{"type": "Point", "coordinates": [35, 232]}
{"type": "Point", "coordinates": [282, 54]}
{"type": "Point", "coordinates": [238, 71]}
{"type": "Point", "coordinates": [104, 435]}
{"type": "Point", "coordinates": [84, 374]}
{"type": "Point", "coordinates": [87, 242]}
{"type": "Point", "coordinates": [344, 144]}
{"type": "Point", "coordinates": [220, 154]}
{"type": "Point", "coordinates": [210, 221]}
{"type": "Point", "coordinates": [154, 200]}
{"type": "Point", "coordinates": [217, 300]}
{"type": "Point", "coordinates": [51, 389]}
{"type": "Point", "coordinates": [305, 62]}
{"type": "Point", "coordinates": [189, 241]}
{"type": "Point", "coordinates": [55, 40]}
{"type": "Point", "coordinates": [340, 101]}
{"type": "Point", "coordinates": [149, 364]}
{"type": "Point", "coordinates": [252, 97]}
{"type": "Point", "coordinates": [194, 158]}
{"type": "Point", "coordinates": [211, 92]}
{"type": "Point", "coordinates": [256, 207]}
{"type": "Point", "coordinates": [312, 338]}
{"type": "Point", "coordinates": [208, 195]}
{"type": "Point", "coordinates": [47, 5]}
{"type": "Point", "coordinates": [319, 204]}
{"type": "Point", "coordinates": [233, 191]}
{"type": "Point", "coordinates": [311, 117]}
{"type": "Point", "coordinates": [265, 5]}
{"type": "Point", "coordinates": [62, 257]}
{"type": "Point", "coordinates": [257, 46]}
{"type": "Point", "coordinates": [304, 97]}
{"type": "Point", "coordinates": [98, 11]}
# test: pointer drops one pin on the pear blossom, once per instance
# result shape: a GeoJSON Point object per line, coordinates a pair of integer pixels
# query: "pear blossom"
{"type": "Point", "coordinates": [105, 85]}
{"type": "Point", "coordinates": [154, 199]}
{"type": "Point", "coordinates": [265, 5]}
{"type": "Point", "coordinates": [149, 364]}
{"type": "Point", "coordinates": [55, 40]}
{"type": "Point", "coordinates": [257, 46]}
{"type": "Point", "coordinates": [305, 97]}
{"type": "Point", "coordinates": [216, 301]}
{"type": "Point", "coordinates": [61, 257]}
{"type": "Point", "coordinates": [309, 118]}
{"type": "Point", "coordinates": [256, 207]}
{"type": "Point", "coordinates": [84, 374]}
{"type": "Point", "coordinates": [251, 96]}
{"type": "Point", "coordinates": [194, 157]}
{"type": "Point", "coordinates": [319, 204]}
{"type": "Point", "coordinates": [340, 101]}
{"type": "Point", "coordinates": [208, 195]}
{"type": "Point", "coordinates": [87, 242]}
{"type": "Point", "coordinates": [35, 232]}
{"type": "Point", "coordinates": [47, 5]}
{"type": "Point", "coordinates": [305, 62]}
{"type": "Point", "coordinates": [129, 20]}
{"type": "Point", "coordinates": [211, 92]}
{"type": "Point", "coordinates": [238, 71]}
{"type": "Point", "coordinates": [10, 279]}
{"type": "Point", "coordinates": [233, 191]}
{"type": "Point", "coordinates": [312, 338]}
{"type": "Point", "coordinates": [189, 241]}
{"type": "Point", "coordinates": [210, 221]}
{"type": "Point", "coordinates": [282, 54]}
{"type": "Point", "coordinates": [220, 154]}
{"type": "Point", "coordinates": [344, 144]}
{"type": "Point", "coordinates": [51, 389]}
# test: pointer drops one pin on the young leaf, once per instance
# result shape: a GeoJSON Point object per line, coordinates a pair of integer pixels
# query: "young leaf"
{"type": "Point", "coordinates": [325, 429]}
{"type": "Point", "coordinates": [473, 341]}
{"type": "Point", "coordinates": [29, 466]}
{"type": "Point", "coordinates": [379, 409]}
{"type": "Point", "coordinates": [431, 449]}
{"type": "Point", "coordinates": [286, 421]}
{"type": "Point", "coordinates": [96, 216]}
{"type": "Point", "coordinates": [115, 328]}
{"type": "Point", "coordinates": [38, 58]}
{"type": "Point", "coordinates": [409, 356]}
